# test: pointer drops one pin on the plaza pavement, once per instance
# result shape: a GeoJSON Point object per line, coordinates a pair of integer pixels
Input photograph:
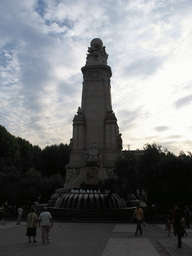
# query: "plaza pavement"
{"type": "Point", "coordinates": [93, 239]}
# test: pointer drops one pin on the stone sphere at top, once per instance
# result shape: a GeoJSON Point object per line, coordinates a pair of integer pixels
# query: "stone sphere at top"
{"type": "Point", "coordinates": [96, 43]}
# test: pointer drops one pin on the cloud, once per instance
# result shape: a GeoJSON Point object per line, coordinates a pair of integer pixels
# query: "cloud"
{"type": "Point", "coordinates": [176, 146]}
{"type": "Point", "coordinates": [187, 100]}
{"type": "Point", "coordinates": [161, 128]}
{"type": "Point", "coordinates": [127, 119]}
{"type": "Point", "coordinates": [43, 45]}
{"type": "Point", "coordinates": [174, 137]}
{"type": "Point", "coordinates": [188, 144]}
{"type": "Point", "coordinates": [143, 67]}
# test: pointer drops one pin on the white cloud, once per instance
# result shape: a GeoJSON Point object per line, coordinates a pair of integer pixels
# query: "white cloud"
{"type": "Point", "coordinates": [43, 47]}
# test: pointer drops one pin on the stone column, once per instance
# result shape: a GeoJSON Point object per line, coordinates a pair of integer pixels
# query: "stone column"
{"type": "Point", "coordinates": [79, 131]}
{"type": "Point", "coordinates": [111, 131]}
{"type": "Point", "coordinates": [96, 102]}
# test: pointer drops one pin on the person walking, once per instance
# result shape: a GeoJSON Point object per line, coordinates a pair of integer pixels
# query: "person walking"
{"type": "Point", "coordinates": [178, 227]}
{"type": "Point", "coordinates": [187, 216]}
{"type": "Point", "coordinates": [139, 216]}
{"type": "Point", "coordinates": [168, 226]}
{"type": "Point", "coordinates": [32, 224]}
{"type": "Point", "coordinates": [183, 223]}
{"type": "Point", "coordinates": [2, 208]}
{"type": "Point", "coordinates": [45, 222]}
{"type": "Point", "coordinates": [20, 212]}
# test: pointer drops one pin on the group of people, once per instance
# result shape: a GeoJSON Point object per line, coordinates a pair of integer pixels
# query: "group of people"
{"type": "Point", "coordinates": [177, 220]}
{"type": "Point", "coordinates": [44, 221]}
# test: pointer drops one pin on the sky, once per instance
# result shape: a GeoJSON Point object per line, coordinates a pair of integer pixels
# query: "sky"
{"type": "Point", "coordinates": [43, 46]}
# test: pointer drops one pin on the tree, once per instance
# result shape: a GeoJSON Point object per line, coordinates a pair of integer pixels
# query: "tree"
{"type": "Point", "coordinates": [126, 170]}
{"type": "Point", "coordinates": [150, 174]}
{"type": "Point", "coordinates": [49, 185]}
{"type": "Point", "coordinates": [176, 180]}
{"type": "Point", "coordinates": [9, 187]}
{"type": "Point", "coordinates": [55, 158]}
{"type": "Point", "coordinates": [150, 169]}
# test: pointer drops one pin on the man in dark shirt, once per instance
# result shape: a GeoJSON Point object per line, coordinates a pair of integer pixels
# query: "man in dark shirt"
{"type": "Point", "coordinates": [178, 225]}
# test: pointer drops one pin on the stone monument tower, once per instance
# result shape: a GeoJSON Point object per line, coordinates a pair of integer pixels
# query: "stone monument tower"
{"type": "Point", "coordinates": [96, 140]}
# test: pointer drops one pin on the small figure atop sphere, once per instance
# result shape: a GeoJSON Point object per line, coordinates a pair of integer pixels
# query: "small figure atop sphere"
{"type": "Point", "coordinates": [96, 53]}
{"type": "Point", "coordinates": [96, 43]}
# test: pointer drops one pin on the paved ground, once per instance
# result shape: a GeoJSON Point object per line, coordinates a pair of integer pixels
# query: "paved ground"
{"type": "Point", "coordinates": [93, 239]}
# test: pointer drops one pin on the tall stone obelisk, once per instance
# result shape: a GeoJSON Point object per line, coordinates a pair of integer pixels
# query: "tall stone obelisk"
{"type": "Point", "coordinates": [96, 140]}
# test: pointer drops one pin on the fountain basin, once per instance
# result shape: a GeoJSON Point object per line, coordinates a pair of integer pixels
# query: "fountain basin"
{"type": "Point", "coordinates": [84, 200]}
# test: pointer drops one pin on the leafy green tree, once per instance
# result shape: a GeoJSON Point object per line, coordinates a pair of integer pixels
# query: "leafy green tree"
{"type": "Point", "coordinates": [9, 187]}
{"type": "Point", "coordinates": [176, 180]}
{"type": "Point", "coordinates": [55, 158]}
{"type": "Point", "coordinates": [25, 150]}
{"type": "Point", "coordinates": [150, 174]}
{"type": "Point", "coordinates": [126, 170]}
{"type": "Point", "coordinates": [8, 147]}
{"type": "Point", "coordinates": [18, 152]}
{"type": "Point", "coordinates": [49, 185]}
{"type": "Point", "coordinates": [37, 158]}
{"type": "Point", "coordinates": [150, 168]}
{"type": "Point", "coordinates": [165, 178]}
